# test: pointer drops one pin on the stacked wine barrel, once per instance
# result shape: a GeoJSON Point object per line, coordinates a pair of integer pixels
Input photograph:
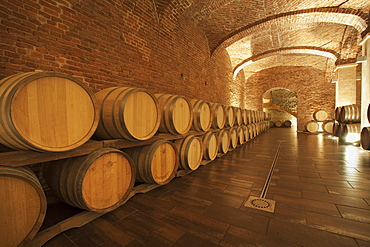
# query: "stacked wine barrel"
{"type": "Point", "coordinates": [365, 133]}
{"type": "Point", "coordinates": [54, 112]}
{"type": "Point", "coordinates": [320, 118]}
{"type": "Point", "coordinates": [347, 122]}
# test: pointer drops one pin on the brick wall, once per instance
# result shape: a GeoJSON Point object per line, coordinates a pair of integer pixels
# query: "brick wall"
{"type": "Point", "coordinates": [140, 44]}
{"type": "Point", "coordinates": [113, 43]}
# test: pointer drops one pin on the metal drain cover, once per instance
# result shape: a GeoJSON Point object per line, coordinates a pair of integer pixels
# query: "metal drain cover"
{"type": "Point", "coordinates": [261, 204]}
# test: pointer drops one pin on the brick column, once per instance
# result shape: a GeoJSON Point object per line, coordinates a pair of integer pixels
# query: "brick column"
{"type": "Point", "coordinates": [365, 87]}
{"type": "Point", "coordinates": [345, 91]}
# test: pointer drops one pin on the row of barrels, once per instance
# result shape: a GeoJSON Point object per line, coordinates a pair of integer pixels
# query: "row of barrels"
{"type": "Point", "coordinates": [281, 124]}
{"type": "Point", "coordinates": [51, 111]}
{"type": "Point", "coordinates": [104, 179]}
{"type": "Point", "coordinates": [348, 114]}
{"type": "Point", "coordinates": [348, 128]}
{"type": "Point", "coordinates": [315, 126]}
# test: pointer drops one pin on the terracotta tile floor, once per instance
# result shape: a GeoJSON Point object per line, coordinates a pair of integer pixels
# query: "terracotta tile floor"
{"type": "Point", "coordinates": [321, 190]}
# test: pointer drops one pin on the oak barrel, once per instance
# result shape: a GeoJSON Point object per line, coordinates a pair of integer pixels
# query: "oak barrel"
{"type": "Point", "coordinates": [312, 126]}
{"type": "Point", "coordinates": [365, 138]}
{"type": "Point", "coordinates": [22, 207]}
{"type": "Point", "coordinates": [223, 141]}
{"type": "Point", "coordinates": [98, 182]}
{"type": "Point", "coordinates": [177, 116]}
{"type": "Point", "coordinates": [238, 116]}
{"type": "Point", "coordinates": [46, 111]}
{"type": "Point", "coordinates": [320, 115]}
{"type": "Point", "coordinates": [233, 137]}
{"type": "Point", "coordinates": [350, 114]}
{"type": "Point", "coordinates": [210, 147]}
{"type": "Point", "coordinates": [246, 133]}
{"type": "Point", "coordinates": [128, 113]}
{"type": "Point", "coordinates": [287, 123]}
{"type": "Point", "coordinates": [328, 126]}
{"type": "Point", "coordinates": [368, 113]}
{"type": "Point", "coordinates": [278, 124]}
{"type": "Point", "coordinates": [218, 116]}
{"type": "Point", "coordinates": [190, 151]}
{"type": "Point", "coordinates": [240, 133]}
{"type": "Point", "coordinates": [250, 131]}
{"type": "Point", "coordinates": [336, 129]}
{"type": "Point", "coordinates": [245, 116]}
{"type": "Point", "coordinates": [156, 163]}
{"type": "Point", "coordinates": [350, 132]}
{"type": "Point", "coordinates": [337, 113]}
{"type": "Point", "coordinates": [230, 116]}
{"type": "Point", "coordinates": [202, 119]}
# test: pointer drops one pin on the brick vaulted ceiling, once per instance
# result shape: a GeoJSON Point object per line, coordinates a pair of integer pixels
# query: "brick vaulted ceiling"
{"type": "Point", "coordinates": [260, 34]}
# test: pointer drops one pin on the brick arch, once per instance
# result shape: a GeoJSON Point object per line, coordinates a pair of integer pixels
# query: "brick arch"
{"type": "Point", "coordinates": [317, 51]}
{"type": "Point", "coordinates": [308, 82]}
{"type": "Point", "coordinates": [349, 17]}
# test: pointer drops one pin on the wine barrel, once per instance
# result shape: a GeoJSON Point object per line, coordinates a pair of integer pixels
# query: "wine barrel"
{"type": "Point", "coordinates": [350, 114]}
{"type": "Point", "coordinates": [218, 116]}
{"type": "Point", "coordinates": [287, 123]}
{"type": "Point", "coordinates": [368, 113]}
{"type": "Point", "coordinates": [233, 137]}
{"type": "Point", "coordinates": [245, 116]}
{"type": "Point", "coordinates": [320, 115]}
{"type": "Point", "coordinates": [253, 116]}
{"type": "Point", "coordinates": [46, 111]}
{"type": "Point", "coordinates": [328, 126]}
{"type": "Point", "coordinates": [365, 138]}
{"type": "Point", "coordinates": [337, 113]}
{"type": "Point", "coordinates": [238, 116]}
{"type": "Point", "coordinates": [128, 113]}
{"type": "Point", "coordinates": [251, 131]}
{"type": "Point", "coordinates": [350, 132]}
{"type": "Point", "coordinates": [240, 133]}
{"type": "Point", "coordinates": [223, 141]}
{"type": "Point", "coordinates": [336, 129]}
{"type": "Point", "coordinates": [156, 163]}
{"type": "Point", "coordinates": [312, 126]}
{"type": "Point", "coordinates": [210, 147]}
{"type": "Point", "coordinates": [190, 151]}
{"type": "Point", "coordinates": [202, 119]}
{"type": "Point", "coordinates": [177, 116]}
{"type": "Point", "coordinates": [230, 116]}
{"type": "Point", "coordinates": [246, 133]}
{"type": "Point", "coordinates": [98, 182]}
{"type": "Point", "coordinates": [22, 207]}
{"type": "Point", "coordinates": [249, 116]}
{"type": "Point", "coordinates": [278, 124]}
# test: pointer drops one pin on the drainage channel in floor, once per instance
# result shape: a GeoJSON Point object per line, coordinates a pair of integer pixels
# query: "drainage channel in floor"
{"type": "Point", "coordinates": [261, 202]}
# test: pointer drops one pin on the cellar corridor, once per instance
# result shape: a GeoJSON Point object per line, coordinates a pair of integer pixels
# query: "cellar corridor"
{"type": "Point", "coordinates": [321, 190]}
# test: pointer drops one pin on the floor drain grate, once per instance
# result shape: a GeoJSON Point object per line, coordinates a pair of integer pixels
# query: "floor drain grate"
{"type": "Point", "coordinates": [261, 204]}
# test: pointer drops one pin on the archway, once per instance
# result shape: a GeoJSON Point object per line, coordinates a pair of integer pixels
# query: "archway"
{"type": "Point", "coordinates": [281, 105]}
